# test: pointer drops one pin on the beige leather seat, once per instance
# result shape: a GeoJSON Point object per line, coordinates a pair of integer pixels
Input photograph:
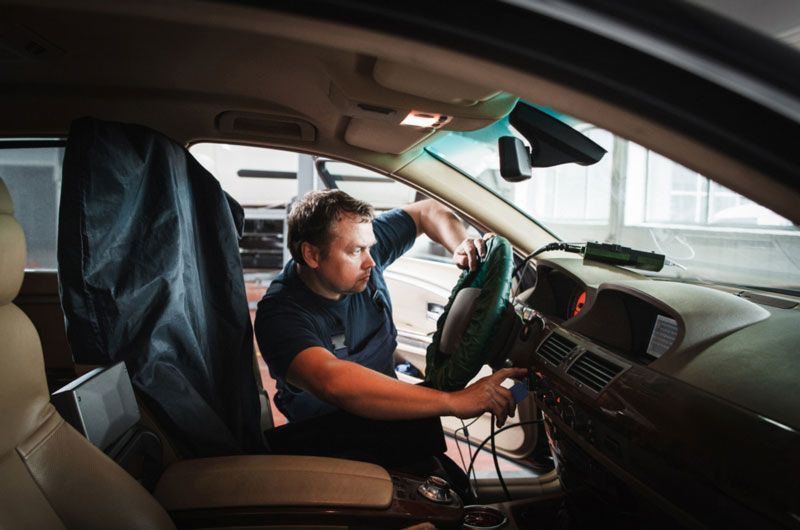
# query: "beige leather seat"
{"type": "Point", "coordinates": [50, 476]}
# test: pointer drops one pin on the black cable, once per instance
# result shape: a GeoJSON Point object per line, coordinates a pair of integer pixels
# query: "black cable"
{"type": "Point", "coordinates": [547, 248]}
{"type": "Point", "coordinates": [473, 487]}
{"type": "Point", "coordinates": [558, 245]}
{"type": "Point", "coordinates": [460, 455]}
{"type": "Point", "coordinates": [498, 431]}
{"type": "Point", "coordinates": [497, 464]}
{"type": "Point", "coordinates": [470, 424]}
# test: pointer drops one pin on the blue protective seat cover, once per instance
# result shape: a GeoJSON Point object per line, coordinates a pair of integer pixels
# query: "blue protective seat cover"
{"type": "Point", "coordinates": [150, 274]}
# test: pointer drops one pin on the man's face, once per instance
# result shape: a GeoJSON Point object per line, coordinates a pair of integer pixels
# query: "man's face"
{"type": "Point", "coordinates": [346, 267]}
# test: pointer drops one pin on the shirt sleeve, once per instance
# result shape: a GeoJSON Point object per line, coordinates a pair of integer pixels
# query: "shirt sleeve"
{"type": "Point", "coordinates": [395, 233]}
{"type": "Point", "coordinates": [282, 331]}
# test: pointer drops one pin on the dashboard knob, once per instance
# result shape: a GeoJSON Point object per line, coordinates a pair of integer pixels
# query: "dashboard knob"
{"type": "Point", "coordinates": [436, 489]}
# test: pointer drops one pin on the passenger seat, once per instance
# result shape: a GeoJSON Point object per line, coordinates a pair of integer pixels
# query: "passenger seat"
{"type": "Point", "coordinates": [48, 470]}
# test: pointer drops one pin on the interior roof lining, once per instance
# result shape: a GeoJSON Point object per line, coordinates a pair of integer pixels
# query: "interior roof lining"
{"type": "Point", "coordinates": [727, 171]}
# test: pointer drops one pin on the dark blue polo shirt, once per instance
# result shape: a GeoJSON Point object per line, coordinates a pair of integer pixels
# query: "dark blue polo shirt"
{"type": "Point", "coordinates": [291, 317]}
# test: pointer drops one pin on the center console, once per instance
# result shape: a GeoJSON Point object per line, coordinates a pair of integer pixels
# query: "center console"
{"type": "Point", "coordinates": [301, 490]}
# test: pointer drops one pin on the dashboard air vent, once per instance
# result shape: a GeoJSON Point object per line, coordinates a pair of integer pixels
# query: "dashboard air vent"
{"type": "Point", "coordinates": [555, 348]}
{"type": "Point", "coordinates": [593, 371]}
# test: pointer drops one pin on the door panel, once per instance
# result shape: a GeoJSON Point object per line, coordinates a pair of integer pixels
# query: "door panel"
{"type": "Point", "coordinates": [415, 285]}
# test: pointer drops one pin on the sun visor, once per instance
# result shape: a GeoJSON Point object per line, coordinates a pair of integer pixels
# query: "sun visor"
{"type": "Point", "coordinates": [384, 137]}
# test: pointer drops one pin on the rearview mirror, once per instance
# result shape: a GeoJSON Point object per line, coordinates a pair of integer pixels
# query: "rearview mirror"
{"type": "Point", "coordinates": [515, 159]}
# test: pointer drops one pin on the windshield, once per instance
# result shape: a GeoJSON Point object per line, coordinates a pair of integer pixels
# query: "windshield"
{"type": "Point", "coordinates": [640, 199]}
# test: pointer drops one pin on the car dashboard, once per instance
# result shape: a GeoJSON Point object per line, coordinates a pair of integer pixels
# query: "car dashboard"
{"type": "Point", "coordinates": [666, 404]}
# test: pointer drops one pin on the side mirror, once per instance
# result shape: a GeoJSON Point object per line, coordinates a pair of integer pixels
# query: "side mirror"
{"type": "Point", "coordinates": [515, 159]}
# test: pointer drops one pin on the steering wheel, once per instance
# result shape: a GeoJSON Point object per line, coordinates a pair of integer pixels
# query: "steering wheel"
{"type": "Point", "coordinates": [466, 333]}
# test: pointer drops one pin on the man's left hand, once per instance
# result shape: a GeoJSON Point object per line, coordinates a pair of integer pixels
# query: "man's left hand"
{"type": "Point", "coordinates": [467, 255]}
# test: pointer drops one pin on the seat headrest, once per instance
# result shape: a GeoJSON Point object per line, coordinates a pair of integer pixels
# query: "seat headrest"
{"type": "Point", "coordinates": [6, 205]}
{"type": "Point", "coordinates": [12, 249]}
{"type": "Point", "coordinates": [23, 391]}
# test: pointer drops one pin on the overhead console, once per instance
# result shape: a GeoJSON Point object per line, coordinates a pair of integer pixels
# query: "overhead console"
{"type": "Point", "coordinates": [392, 106]}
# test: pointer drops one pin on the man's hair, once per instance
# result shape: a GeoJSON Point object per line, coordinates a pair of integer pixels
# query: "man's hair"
{"type": "Point", "coordinates": [312, 217]}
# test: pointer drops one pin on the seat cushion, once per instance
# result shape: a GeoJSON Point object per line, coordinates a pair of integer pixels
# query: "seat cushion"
{"type": "Point", "coordinates": [22, 503]}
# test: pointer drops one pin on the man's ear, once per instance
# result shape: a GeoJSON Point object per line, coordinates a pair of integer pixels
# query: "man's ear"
{"type": "Point", "coordinates": [311, 254]}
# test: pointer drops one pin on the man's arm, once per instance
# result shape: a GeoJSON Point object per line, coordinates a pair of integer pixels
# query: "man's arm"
{"type": "Point", "coordinates": [362, 391]}
{"type": "Point", "coordinates": [439, 223]}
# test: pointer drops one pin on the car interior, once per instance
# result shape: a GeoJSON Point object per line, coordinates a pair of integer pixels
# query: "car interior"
{"type": "Point", "coordinates": [662, 401]}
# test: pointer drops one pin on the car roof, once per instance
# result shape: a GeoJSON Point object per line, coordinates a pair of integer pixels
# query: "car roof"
{"type": "Point", "coordinates": [335, 78]}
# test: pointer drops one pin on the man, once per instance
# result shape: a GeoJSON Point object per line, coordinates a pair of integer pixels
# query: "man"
{"type": "Point", "coordinates": [325, 326]}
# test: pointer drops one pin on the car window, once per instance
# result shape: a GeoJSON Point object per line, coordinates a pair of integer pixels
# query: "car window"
{"type": "Point", "coordinates": [373, 188]}
{"type": "Point", "coordinates": [265, 181]}
{"type": "Point", "coordinates": [256, 177]}
{"type": "Point", "coordinates": [33, 177]}
{"type": "Point", "coordinates": [384, 194]}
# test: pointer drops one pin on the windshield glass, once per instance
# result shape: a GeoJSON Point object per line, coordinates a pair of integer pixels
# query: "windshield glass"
{"type": "Point", "coordinates": [640, 199]}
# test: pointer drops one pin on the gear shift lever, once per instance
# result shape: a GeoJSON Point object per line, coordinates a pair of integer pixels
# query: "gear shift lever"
{"type": "Point", "coordinates": [436, 489]}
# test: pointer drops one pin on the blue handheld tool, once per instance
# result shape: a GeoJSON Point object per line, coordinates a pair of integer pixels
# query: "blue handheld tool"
{"type": "Point", "coordinates": [519, 391]}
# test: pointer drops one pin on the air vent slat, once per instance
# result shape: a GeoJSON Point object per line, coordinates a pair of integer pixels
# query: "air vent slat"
{"type": "Point", "coordinates": [599, 369]}
{"type": "Point", "coordinates": [555, 349]}
{"type": "Point", "coordinates": [560, 348]}
{"type": "Point", "coordinates": [557, 352]}
{"type": "Point", "coordinates": [588, 378]}
{"type": "Point", "coordinates": [552, 357]}
{"type": "Point", "coordinates": [598, 372]}
{"type": "Point", "coordinates": [594, 371]}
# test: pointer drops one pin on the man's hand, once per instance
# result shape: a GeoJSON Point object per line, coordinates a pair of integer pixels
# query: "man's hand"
{"type": "Point", "coordinates": [487, 395]}
{"type": "Point", "coordinates": [469, 252]}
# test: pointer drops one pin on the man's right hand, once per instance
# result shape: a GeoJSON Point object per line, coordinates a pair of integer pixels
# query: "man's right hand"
{"type": "Point", "coordinates": [468, 254]}
{"type": "Point", "coordinates": [487, 395]}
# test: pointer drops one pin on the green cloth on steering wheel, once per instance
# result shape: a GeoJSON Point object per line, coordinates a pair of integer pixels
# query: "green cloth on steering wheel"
{"type": "Point", "coordinates": [493, 277]}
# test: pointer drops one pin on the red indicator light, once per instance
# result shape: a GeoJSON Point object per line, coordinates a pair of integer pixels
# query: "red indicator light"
{"type": "Point", "coordinates": [558, 399]}
{"type": "Point", "coordinates": [579, 303]}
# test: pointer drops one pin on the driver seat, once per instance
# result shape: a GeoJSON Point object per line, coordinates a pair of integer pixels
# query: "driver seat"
{"type": "Point", "coordinates": [44, 481]}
